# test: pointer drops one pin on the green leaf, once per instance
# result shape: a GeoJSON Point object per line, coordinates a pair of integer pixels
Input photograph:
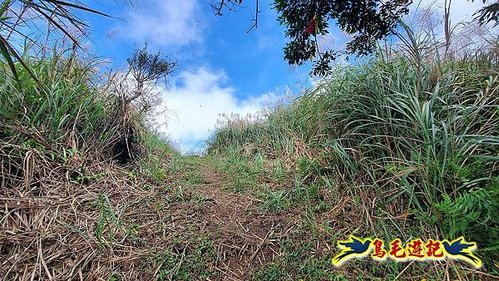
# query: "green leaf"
{"type": "Point", "coordinates": [80, 7]}
{"type": "Point", "coordinates": [4, 49]}
{"type": "Point", "coordinates": [5, 6]}
{"type": "Point", "coordinates": [8, 52]}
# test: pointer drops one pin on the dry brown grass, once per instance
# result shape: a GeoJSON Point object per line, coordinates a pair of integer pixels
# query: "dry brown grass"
{"type": "Point", "coordinates": [49, 225]}
{"type": "Point", "coordinates": [56, 226]}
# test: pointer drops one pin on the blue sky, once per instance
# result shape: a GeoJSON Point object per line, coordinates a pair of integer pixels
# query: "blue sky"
{"type": "Point", "coordinates": [222, 68]}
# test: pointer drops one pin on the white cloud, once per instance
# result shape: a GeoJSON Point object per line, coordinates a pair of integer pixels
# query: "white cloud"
{"type": "Point", "coordinates": [167, 23]}
{"type": "Point", "coordinates": [461, 10]}
{"type": "Point", "coordinates": [194, 103]}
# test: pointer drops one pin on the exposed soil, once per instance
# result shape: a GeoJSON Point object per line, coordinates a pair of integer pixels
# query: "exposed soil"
{"type": "Point", "coordinates": [245, 237]}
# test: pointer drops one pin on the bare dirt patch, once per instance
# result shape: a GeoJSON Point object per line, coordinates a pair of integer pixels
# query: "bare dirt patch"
{"type": "Point", "coordinates": [244, 237]}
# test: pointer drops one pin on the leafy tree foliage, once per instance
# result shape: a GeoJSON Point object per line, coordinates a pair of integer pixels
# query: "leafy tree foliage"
{"type": "Point", "coordinates": [365, 20]}
{"type": "Point", "coordinates": [489, 13]}
{"type": "Point", "coordinates": [147, 67]}
{"type": "Point", "coordinates": [136, 86]}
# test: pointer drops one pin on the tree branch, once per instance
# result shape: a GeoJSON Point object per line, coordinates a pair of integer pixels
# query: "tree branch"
{"type": "Point", "coordinates": [255, 19]}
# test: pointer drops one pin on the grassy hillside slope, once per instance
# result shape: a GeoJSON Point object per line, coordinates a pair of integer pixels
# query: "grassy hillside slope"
{"type": "Point", "coordinates": [80, 175]}
{"type": "Point", "coordinates": [395, 148]}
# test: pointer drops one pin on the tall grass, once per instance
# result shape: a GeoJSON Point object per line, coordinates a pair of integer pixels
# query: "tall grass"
{"type": "Point", "coordinates": [70, 121]}
{"type": "Point", "coordinates": [69, 110]}
{"type": "Point", "coordinates": [420, 137]}
{"type": "Point", "coordinates": [58, 149]}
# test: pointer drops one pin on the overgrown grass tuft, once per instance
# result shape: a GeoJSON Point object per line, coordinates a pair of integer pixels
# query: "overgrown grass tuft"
{"type": "Point", "coordinates": [70, 121]}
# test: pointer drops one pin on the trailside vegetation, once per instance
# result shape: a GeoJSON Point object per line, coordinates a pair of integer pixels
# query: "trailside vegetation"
{"type": "Point", "coordinates": [408, 143]}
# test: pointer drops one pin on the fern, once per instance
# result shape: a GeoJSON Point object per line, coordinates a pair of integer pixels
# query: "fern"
{"type": "Point", "coordinates": [474, 215]}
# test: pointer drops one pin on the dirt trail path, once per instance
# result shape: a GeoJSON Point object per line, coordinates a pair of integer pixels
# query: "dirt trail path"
{"type": "Point", "coordinates": [244, 237]}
